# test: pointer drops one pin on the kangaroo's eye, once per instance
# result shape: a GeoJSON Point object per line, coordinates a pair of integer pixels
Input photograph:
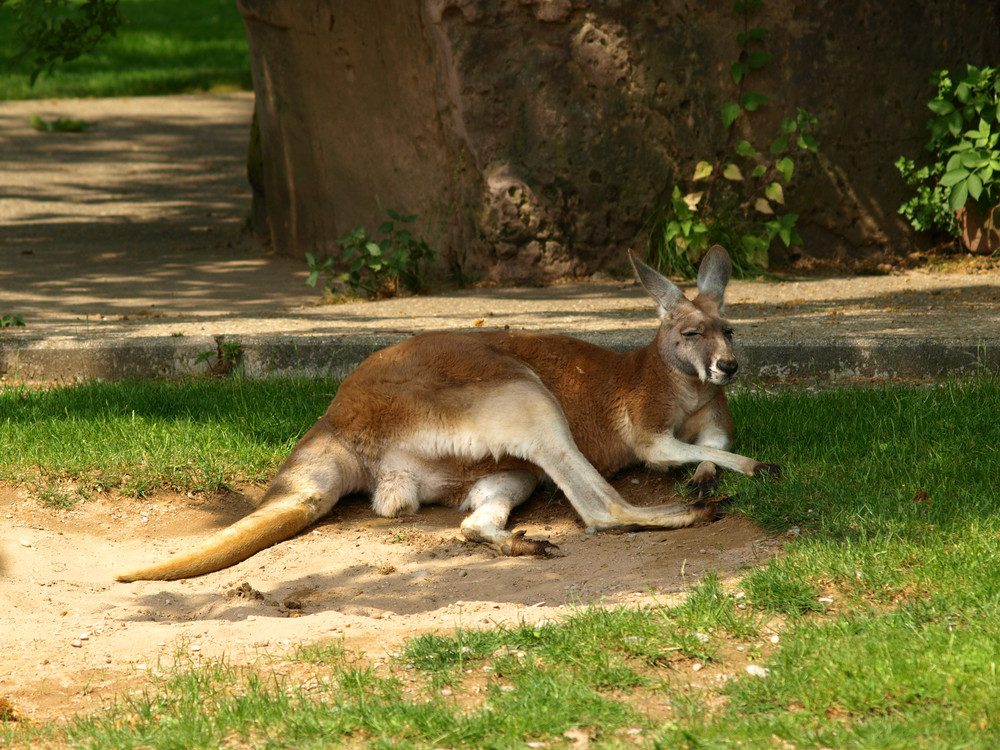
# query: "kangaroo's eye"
{"type": "Point", "coordinates": [727, 332]}
{"type": "Point", "coordinates": [690, 334]}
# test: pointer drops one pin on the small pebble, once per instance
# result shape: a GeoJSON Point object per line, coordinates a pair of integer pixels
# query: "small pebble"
{"type": "Point", "coordinates": [590, 530]}
{"type": "Point", "coordinates": [696, 667]}
{"type": "Point", "coordinates": [463, 573]}
{"type": "Point", "coordinates": [419, 574]}
{"type": "Point", "coordinates": [775, 639]}
{"type": "Point", "coordinates": [25, 543]}
{"type": "Point", "coordinates": [76, 643]}
{"type": "Point", "coordinates": [754, 671]}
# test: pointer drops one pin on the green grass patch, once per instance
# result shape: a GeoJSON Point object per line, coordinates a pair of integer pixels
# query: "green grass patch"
{"type": "Point", "coordinates": [163, 47]}
{"type": "Point", "coordinates": [142, 436]}
{"type": "Point", "coordinates": [885, 601]}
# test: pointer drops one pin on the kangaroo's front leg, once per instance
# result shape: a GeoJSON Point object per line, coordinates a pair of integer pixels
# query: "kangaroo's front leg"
{"type": "Point", "coordinates": [666, 451]}
{"type": "Point", "coordinates": [599, 504]}
{"type": "Point", "coordinates": [537, 430]}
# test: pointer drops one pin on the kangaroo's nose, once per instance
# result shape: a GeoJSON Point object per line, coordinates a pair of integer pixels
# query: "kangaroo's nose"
{"type": "Point", "coordinates": [728, 367]}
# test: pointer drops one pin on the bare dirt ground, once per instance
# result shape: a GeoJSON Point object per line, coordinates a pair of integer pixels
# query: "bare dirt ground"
{"type": "Point", "coordinates": [71, 638]}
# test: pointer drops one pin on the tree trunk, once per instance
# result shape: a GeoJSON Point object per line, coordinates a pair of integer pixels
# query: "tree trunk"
{"type": "Point", "coordinates": [538, 138]}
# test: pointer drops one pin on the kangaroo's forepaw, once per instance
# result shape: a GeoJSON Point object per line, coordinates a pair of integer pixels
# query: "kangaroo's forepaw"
{"type": "Point", "coordinates": [518, 546]}
{"type": "Point", "coordinates": [767, 470]}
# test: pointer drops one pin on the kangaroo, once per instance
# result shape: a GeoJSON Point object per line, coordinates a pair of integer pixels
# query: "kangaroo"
{"type": "Point", "coordinates": [475, 419]}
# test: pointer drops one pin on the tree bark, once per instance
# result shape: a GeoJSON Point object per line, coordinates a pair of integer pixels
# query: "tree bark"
{"type": "Point", "coordinates": [537, 138]}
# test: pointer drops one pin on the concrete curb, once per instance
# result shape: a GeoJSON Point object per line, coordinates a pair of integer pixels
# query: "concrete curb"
{"type": "Point", "coordinates": [63, 360]}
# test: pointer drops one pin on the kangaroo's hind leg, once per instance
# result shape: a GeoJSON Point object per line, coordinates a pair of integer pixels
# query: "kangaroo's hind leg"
{"type": "Point", "coordinates": [491, 500]}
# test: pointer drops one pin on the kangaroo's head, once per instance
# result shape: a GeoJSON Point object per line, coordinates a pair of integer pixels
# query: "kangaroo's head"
{"type": "Point", "coordinates": [694, 338]}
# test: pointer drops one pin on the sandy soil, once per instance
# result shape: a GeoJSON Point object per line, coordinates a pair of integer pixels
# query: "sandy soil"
{"type": "Point", "coordinates": [71, 638]}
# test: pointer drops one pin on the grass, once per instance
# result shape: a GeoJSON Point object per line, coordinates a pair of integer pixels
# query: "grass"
{"type": "Point", "coordinates": [163, 47]}
{"type": "Point", "coordinates": [885, 605]}
{"type": "Point", "coordinates": [137, 437]}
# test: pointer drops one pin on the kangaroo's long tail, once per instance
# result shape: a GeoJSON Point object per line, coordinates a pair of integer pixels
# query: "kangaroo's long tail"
{"type": "Point", "coordinates": [318, 472]}
{"type": "Point", "coordinates": [269, 524]}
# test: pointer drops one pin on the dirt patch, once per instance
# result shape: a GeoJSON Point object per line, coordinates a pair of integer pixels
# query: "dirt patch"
{"type": "Point", "coordinates": [71, 638]}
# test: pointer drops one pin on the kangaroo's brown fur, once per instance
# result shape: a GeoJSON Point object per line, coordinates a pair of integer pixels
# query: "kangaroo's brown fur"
{"type": "Point", "coordinates": [475, 419]}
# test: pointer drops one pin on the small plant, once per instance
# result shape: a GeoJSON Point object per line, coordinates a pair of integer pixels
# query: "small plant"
{"type": "Point", "coordinates": [11, 321]}
{"type": "Point", "coordinates": [376, 267]}
{"type": "Point", "coordinates": [60, 125]}
{"type": "Point", "coordinates": [965, 144]}
{"type": "Point", "coordinates": [227, 356]}
{"type": "Point", "coordinates": [740, 204]}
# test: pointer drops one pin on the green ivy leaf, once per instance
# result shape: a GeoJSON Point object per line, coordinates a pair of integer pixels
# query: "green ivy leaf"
{"type": "Point", "coordinates": [738, 70]}
{"type": "Point", "coordinates": [702, 170]}
{"type": "Point", "coordinates": [732, 172]}
{"type": "Point", "coordinates": [752, 101]}
{"type": "Point", "coordinates": [759, 171]}
{"type": "Point", "coordinates": [778, 145]}
{"type": "Point", "coordinates": [757, 60]}
{"type": "Point", "coordinates": [775, 193]}
{"type": "Point", "coordinates": [788, 126]}
{"type": "Point", "coordinates": [744, 148]}
{"type": "Point", "coordinates": [762, 206]}
{"type": "Point", "coordinates": [730, 111]}
{"type": "Point", "coordinates": [786, 166]}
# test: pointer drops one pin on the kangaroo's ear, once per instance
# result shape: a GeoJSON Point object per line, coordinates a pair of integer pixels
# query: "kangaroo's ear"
{"type": "Point", "coordinates": [660, 288]}
{"type": "Point", "coordinates": [713, 275]}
